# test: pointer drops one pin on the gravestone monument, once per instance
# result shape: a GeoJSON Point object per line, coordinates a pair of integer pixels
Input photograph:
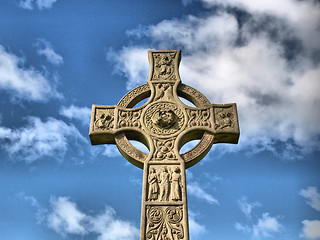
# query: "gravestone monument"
{"type": "Point", "coordinates": [164, 124]}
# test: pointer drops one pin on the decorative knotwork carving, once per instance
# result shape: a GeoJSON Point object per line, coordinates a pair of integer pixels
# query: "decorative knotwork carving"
{"type": "Point", "coordinates": [104, 119]}
{"type": "Point", "coordinates": [164, 184]}
{"type": "Point", "coordinates": [164, 223]}
{"type": "Point", "coordinates": [129, 118]}
{"type": "Point", "coordinates": [198, 118]}
{"type": "Point", "coordinates": [164, 150]}
{"type": "Point", "coordinates": [163, 118]}
{"type": "Point", "coordinates": [224, 118]}
{"type": "Point", "coordinates": [163, 66]}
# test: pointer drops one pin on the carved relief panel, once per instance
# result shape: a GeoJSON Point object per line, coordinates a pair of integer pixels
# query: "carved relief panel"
{"type": "Point", "coordinates": [198, 118]}
{"type": "Point", "coordinates": [163, 66]}
{"type": "Point", "coordinates": [164, 183]}
{"type": "Point", "coordinates": [163, 150]}
{"type": "Point", "coordinates": [129, 118]}
{"type": "Point", "coordinates": [225, 118]}
{"type": "Point", "coordinates": [163, 118]}
{"type": "Point", "coordinates": [104, 119]}
{"type": "Point", "coordinates": [164, 223]}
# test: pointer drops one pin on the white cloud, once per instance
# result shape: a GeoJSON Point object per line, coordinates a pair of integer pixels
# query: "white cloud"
{"type": "Point", "coordinates": [274, 85]}
{"type": "Point", "coordinates": [265, 226]}
{"type": "Point", "coordinates": [133, 63]}
{"type": "Point", "coordinates": [195, 190]}
{"type": "Point", "coordinates": [303, 16]}
{"type": "Point", "coordinates": [195, 228]}
{"type": "Point", "coordinates": [81, 114]}
{"type": "Point", "coordinates": [31, 4]}
{"type": "Point", "coordinates": [246, 207]}
{"type": "Point", "coordinates": [66, 218]}
{"type": "Point", "coordinates": [23, 83]}
{"type": "Point", "coordinates": [312, 197]}
{"type": "Point", "coordinates": [40, 211]}
{"type": "Point", "coordinates": [311, 229]}
{"type": "Point", "coordinates": [45, 48]}
{"type": "Point", "coordinates": [111, 228]}
{"type": "Point", "coordinates": [50, 138]}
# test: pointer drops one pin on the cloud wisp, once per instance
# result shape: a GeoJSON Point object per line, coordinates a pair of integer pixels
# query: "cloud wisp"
{"type": "Point", "coordinates": [40, 139]}
{"type": "Point", "coordinates": [81, 114]}
{"type": "Point", "coordinates": [40, 4]}
{"type": "Point", "coordinates": [311, 228]}
{"type": "Point", "coordinates": [24, 83]}
{"type": "Point", "coordinates": [312, 197]}
{"type": "Point", "coordinates": [264, 226]}
{"type": "Point", "coordinates": [195, 190]}
{"type": "Point", "coordinates": [66, 218]}
{"type": "Point", "coordinates": [247, 207]}
{"type": "Point", "coordinates": [45, 48]}
{"type": "Point", "coordinates": [263, 62]}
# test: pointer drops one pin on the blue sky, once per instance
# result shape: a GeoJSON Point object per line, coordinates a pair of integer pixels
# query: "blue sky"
{"type": "Point", "coordinates": [57, 58]}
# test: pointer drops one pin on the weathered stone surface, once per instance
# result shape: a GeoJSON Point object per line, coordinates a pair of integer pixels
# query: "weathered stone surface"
{"type": "Point", "coordinates": [164, 124]}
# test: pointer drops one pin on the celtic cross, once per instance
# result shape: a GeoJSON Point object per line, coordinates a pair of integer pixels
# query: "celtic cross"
{"type": "Point", "coordinates": [164, 124]}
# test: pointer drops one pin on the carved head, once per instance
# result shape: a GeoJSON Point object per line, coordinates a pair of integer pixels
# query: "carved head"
{"type": "Point", "coordinates": [164, 118]}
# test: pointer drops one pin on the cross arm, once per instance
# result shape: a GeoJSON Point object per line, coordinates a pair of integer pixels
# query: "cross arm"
{"type": "Point", "coordinates": [219, 119]}
{"type": "Point", "coordinates": [108, 121]}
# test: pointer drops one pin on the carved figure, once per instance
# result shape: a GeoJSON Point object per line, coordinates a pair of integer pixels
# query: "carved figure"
{"type": "Point", "coordinates": [225, 120]}
{"type": "Point", "coordinates": [153, 185]}
{"type": "Point", "coordinates": [164, 184]}
{"type": "Point", "coordinates": [164, 118]}
{"type": "Point", "coordinates": [104, 120]}
{"type": "Point", "coordinates": [164, 65]}
{"type": "Point", "coordinates": [176, 185]}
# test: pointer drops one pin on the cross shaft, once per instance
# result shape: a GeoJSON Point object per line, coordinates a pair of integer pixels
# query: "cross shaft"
{"type": "Point", "coordinates": [164, 124]}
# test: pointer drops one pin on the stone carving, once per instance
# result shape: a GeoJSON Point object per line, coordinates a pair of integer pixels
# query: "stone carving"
{"type": "Point", "coordinates": [129, 118]}
{"type": "Point", "coordinates": [164, 150]}
{"type": "Point", "coordinates": [134, 94]}
{"type": "Point", "coordinates": [170, 183]}
{"type": "Point", "coordinates": [164, 223]}
{"type": "Point", "coordinates": [135, 156]}
{"type": "Point", "coordinates": [199, 118]}
{"type": "Point", "coordinates": [198, 98]}
{"type": "Point", "coordinates": [163, 118]}
{"type": "Point", "coordinates": [153, 185]}
{"type": "Point", "coordinates": [164, 68]}
{"type": "Point", "coordinates": [224, 118]}
{"type": "Point", "coordinates": [164, 92]}
{"type": "Point", "coordinates": [164, 124]}
{"type": "Point", "coordinates": [104, 119]}
{"type": "Point", "coordinates": [199, 150]}
{"type": "Point", "coordinates": [176, 185]}
{"type": "Point", "coordinates": [164, 179]}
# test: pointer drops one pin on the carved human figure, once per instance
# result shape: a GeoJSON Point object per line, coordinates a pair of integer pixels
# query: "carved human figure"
{"type": "Point", "coordinates": [164, 65]}
{"type": "Point", "coordinates": [176, 185]}
{"type": "Point", "coordinates": [164, 184]}
{"type": "Point", "coordinates": [153, 185]}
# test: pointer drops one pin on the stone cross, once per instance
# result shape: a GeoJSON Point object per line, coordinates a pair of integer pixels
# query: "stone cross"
{"type": "Point", "coordinates": [164, 124]}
